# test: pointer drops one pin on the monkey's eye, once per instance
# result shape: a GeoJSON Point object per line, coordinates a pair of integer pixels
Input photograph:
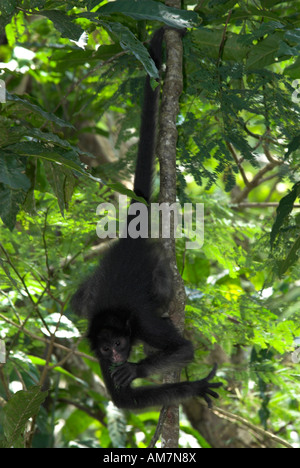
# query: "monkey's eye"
{"type": "Point", "coordinates": [117, 343]}
{"type": "Point", "coordinates": [105, 349]}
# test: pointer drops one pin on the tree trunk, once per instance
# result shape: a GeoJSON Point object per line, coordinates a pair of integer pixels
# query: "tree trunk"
{"type": "Point", "coordinates": [166, 150]}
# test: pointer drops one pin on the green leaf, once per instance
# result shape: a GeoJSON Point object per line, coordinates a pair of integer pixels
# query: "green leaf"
{"type": "Point", "coordinates": [293, 70]}
{"type": "Point", "coordinates": [118, 187]}
{"type": "Point", "coordinates": [61, 184]}
{"type": "Point", "coordinates": [293, 36]}
{"type": "Point", "coordinates": [31, 148]}
{"type": "Point", "coordinates": [149, 9]}
{"type": "Point", "coordinates": [42, 362]}
{"type": "Point", "coordinates": [264, 13]}
{"type": "Point", "coordinates": [283, 210]}
{"type": "Point", "coordinates": [293, 145]}
{"type": "Point", "coordinates": [56, 180]}
{"type": "Point", "coordinates": [291, 259]}
{"type": "Point", "coordinates": [67, 159]}
{"type": "Point", "coordinates": [22, 406]}
{"type": "Point", "coordinates": [63, 24]}
{"type": "Point", "coordinates": [116, 425]}
{"type": "Point", "coordinates": [195, 271]}
{"type": "Point", "coordinates": [10, 202]}
{"type": "Point", "coordinates": [75, 424]}
{"type": "Point", "coordinates": [49, 137]}
{"type": "Point", "coordinates": [34, 108]}
{"type": "Point", "coordinates": [75, 58]}
{"type": "Point", "coordinates": [129, 42]}
{"type": "Point", "coordinates": [60, 181]}
{"type": "Point", "coordinates": [189, 430]}
{"type": "Point", "coordinates": [209, 41]}
{"type": "Point", "coordinates": [9, 132]}
{"type": "Point", "coordinates": [284, 50]}
{"type": "Point", "coordinates": [265, 52]}
{"type": "Point", "coordinates": [12, 172]}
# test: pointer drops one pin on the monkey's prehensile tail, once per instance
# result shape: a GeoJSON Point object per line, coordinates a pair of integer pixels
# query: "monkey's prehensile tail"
{"type": "Point", "coordinates": [146, 148]}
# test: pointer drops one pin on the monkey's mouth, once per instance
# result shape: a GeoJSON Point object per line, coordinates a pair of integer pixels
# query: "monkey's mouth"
{"type": "Point", "coordinates": [118, 359]}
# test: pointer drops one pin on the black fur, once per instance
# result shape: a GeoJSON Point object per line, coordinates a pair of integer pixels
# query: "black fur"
{"type": "Point", "coordinates": [146, 149]}
{"type": "Point", "coordinates": [127, 296]}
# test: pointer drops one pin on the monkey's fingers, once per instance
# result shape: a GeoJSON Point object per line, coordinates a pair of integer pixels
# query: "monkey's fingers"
{"type": "Point", "coordinates": [216, 384]}
{"type": "Point", "coordinates": [208, 401]}
{"type": "Point", "coordinates": [125, 374]}
{"type": "Point", "coordinates": [212, 393]}
{"type": "Point", "coordinates": [121, 378]}
{"type": "Point", "coordinates": [207, 398]}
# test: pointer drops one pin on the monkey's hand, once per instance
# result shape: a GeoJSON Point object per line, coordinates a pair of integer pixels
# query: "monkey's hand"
{"type": "Point", "coordinates": [123, 375]}
{"type": "Point", "coordinates": [204, 387]}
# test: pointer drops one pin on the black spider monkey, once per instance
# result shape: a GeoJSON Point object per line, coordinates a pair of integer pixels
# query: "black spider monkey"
{"type": "Point", "coordinates": [129, 292]}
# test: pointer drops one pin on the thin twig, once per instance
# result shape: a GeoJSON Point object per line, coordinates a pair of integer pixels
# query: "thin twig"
{"type": "Point", "coordinates": [47, 341]}
{"type": "Point", "coordinates": [157, 433]}
{"type": "Point", "coordinates": [22, 280]}
{"type": "Point", "coordinates": [238, 163]}
{"type": "Point", "coordinates": [256, 181]}
{"type": "Point", "coordinates": [221, 413]}
{"type": "Point", "coordinates": [223, 40]}
{"type": "Point", "coordinates": [99, 415]}
{"type": "Point", "coordinates": [259, 205]}
{"type": "Point", "coordinates": [31, 431]}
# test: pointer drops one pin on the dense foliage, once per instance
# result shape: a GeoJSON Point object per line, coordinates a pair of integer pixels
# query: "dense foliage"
{"type": "Point", "coordinates": [68, 128]}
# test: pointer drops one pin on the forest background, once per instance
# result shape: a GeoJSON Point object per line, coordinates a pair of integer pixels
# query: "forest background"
{"type": "Point", "coordinates": [73, 75]}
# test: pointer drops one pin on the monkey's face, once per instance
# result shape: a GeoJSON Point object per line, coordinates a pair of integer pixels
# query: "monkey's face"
{"type": "Point", "coordinates": [115, 349]}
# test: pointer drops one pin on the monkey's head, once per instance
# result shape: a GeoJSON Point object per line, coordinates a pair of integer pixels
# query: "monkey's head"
{"type": "Point", "coordinates": [110, 340]}
{"type": "Point", "coordinates": [114, 346]}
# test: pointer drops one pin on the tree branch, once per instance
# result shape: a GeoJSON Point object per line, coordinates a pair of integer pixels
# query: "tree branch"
{"type": "Point", "coordinates": [259, 205]}
{"type": "Point", "coordinates": [238, 163]}
{"type": "Point", "coordinates": [221, 413]}
{"type": "Point", "coordinates": [166, 150]}
{"type": "Point", "coordinates": [98, 415]}
{"type": "Point", "coordinates": [257, 179]}
{"type": "Point", "coordinates": [46, 340]}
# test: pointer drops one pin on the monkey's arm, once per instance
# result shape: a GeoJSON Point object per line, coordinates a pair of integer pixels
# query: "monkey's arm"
{"type": "Point", "coordinates": [173, 351]}
{"type": "Point", "coordinates": [142, 397]}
